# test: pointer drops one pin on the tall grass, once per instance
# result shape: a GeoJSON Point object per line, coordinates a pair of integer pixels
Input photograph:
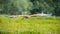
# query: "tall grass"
{"type": "Point", "coordinates": [33, 25]}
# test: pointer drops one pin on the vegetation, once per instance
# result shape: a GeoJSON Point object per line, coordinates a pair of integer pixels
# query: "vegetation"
{"type": "Point", "coordinates": [37, 25]}
{"type": "Point", "coordinates": [29, 25]}
{"type": "Point", "coordinates": [14, 7]}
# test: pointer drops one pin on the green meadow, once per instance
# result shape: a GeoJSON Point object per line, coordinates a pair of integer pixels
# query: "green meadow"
{"type": "Point", "coordinates": [33, 25]}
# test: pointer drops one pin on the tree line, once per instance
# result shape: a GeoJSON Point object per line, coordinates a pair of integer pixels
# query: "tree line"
{"type": "Point", "coordinates": [22, 7]}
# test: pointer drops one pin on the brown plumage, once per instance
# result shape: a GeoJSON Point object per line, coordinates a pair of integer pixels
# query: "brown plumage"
{"type": "Point", "coordinates": [27, 16]}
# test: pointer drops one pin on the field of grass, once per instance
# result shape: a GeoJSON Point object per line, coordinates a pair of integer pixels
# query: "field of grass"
{"type": "Point", "coordinates": [33, 25]}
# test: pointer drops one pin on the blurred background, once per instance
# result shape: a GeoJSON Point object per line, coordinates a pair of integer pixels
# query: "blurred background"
{"type": "Point", "coordinates": [27, 7]}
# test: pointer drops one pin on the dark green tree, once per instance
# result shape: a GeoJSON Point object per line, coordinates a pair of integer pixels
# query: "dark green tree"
{"type": "Point", "coordinates": [57, 8]}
